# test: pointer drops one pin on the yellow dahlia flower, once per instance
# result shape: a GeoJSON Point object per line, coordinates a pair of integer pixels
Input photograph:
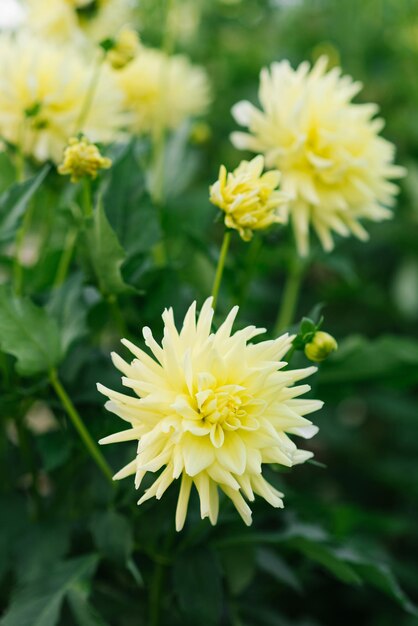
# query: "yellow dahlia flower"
{"type": "Point", "coordinates": [82, 158]}
{"type": "Point", "coordinates": [328, 149]}
{"type": "Point", "coordinates": [162, 91]}
{"type": "Point", "coordinates": [210, 408]}
{"type": "Point", "coordinates": [249, 198]}
{"type": "Point", "coordinates": [42, 91]}
{"type": "Point", "coordinates": [77, 20]}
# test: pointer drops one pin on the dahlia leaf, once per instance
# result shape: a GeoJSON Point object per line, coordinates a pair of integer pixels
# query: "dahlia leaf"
{"type": "Point", "coordinates": [39, 602]}
{"type": "Point", "coordinates": [107, 254]}
{"type": "Point", "coordinates": [113, 537]}
{"type": "Point", "coordinates": [67, 307]}
{"type": "Point", "coordinates": [197, 585]}
{"type": "Point", "coordinates": [14, 201]}
{"type": "Point", "coordinates": [84, 613]}
{"type": "Point", "coordinates": [28, 333]}
{"type": "Point", "coordinates": [128, 207]}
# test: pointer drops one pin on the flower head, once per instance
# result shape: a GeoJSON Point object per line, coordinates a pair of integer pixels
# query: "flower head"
{"type": "Point", "coordinates": [211, 408]}
{"type": "Point", "coordinates": [322, 345]}
{"type": "Point", "coordinates": [162, 91]}
{"type": "Point", "coordinates": [82, 158]}
{"type": "Point", "coordinates": [77, 21]}
{"type": "Point", "coordinates": [328, 149]}
{"type": "Point", "coordinates": [42, 90]}
{"type": "Point", "coordinates": [249, 198]}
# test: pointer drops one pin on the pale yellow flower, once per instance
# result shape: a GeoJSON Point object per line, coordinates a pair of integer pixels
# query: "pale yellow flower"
{"type": "Point", "coordinates": [328, 149]}
{"type": "Point", "coordinates": [42, 90]}
{"type": "Point", "coordinates": [210, 408]}
{"type": "Point", "coordinates": [126, 47]}
{"type": "Point", "coordinates": [77, 21]}
{"type": "Point", "coordinates": [82, 158]}
{"type": "Point", "coordinates": [322, 345]}
{"type": "Point", "coordinates": [249, 198]}
{"type": "Point", "coordinates": [162, 91]}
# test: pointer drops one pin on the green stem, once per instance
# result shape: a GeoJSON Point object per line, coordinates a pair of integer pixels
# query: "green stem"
{"type": "Point", "coordinates": [87, 203]}
{"type": "Point", "coordinates": [155, 594]}
{"type": "Point", "coordinates": [290, 297]}
{"type": "Point", "coordinates": [79, 425]}
{"type": "Point", "coordinates": [20, 238]}
{"type": "Point", "coordinates": [29, 462]}
{"type": "Point", "coordinates": [220, 267]}
{"type": "Point", "coordinates": [91, 90]}
{"type": "Point", "coordinates": [117, 316]}
{"type": "Point", "coordinates": [65, 260]}
{"type": "Point", "coordinates": [250, 265]}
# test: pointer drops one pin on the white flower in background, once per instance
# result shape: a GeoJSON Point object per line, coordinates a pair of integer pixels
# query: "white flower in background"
{"type": "Point", "coordinates": [78, 21]}
{"type": "Point", "coordinates": [210, 408]}
{"type": "Point", "coordinates": [163, 91]}
{"type": "Point", "coordinates": [328, 149]}
{"type": "Point", "coordinates": [42, 90]}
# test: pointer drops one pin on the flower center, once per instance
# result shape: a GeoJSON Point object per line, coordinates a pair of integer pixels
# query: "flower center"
{"type": "Point", "coordinates": [225, 408]}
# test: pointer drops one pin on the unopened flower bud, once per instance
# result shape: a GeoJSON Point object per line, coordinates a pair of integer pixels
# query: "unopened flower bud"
{"type": "Point", "coordinates": [125, 48]}
{"type": "Point", "coordinates": [82, 158]}
{"type": "Point", "coordinates": [321, 346]}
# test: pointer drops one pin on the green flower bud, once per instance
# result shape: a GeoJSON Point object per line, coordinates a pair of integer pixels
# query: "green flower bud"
{"type": "Point", "coordinates": [321, 346]}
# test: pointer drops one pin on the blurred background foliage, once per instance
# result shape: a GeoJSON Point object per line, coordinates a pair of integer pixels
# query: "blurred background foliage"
{"type": "Point", "coordinates": [74, 551]}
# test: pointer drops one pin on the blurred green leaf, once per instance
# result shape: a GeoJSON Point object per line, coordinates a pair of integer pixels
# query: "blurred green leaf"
{"type": "Point", "coordinates": [67, 307]}
{"type": "Point", "coordinates": [106, 254]}
{"type": "Point", "coordinates": [13, 203]}
{"type": "Point", "coordinates": [239, 567]}
{"type": "Point", "coordinates": [360, 359]}
{"type": "Point", "coordinates": [39, 602]}
{"type": "Point", "coordinates": [84, 613]}
{"type": "Point", "coordinates": [28, 333]}
{"type": "Point", "coordinates": [113, 536]}
{"type": "Point", "coordinates": [271, 563]}
{"type": "Point", "coordinates": [198, 587]}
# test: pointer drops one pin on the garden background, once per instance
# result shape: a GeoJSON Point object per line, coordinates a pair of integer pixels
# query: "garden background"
{"type": "Point", "coordinates": [75, 551]}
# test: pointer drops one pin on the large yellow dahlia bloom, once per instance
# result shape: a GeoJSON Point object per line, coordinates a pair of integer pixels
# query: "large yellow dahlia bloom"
{"type": "Point", "coordinates": [249, 198]}
{"type": "Point", "coordinates": [162, 91]}
{"type": "Point", "coordinates": [210, 408]}
{"type": "Point", "coordinates": [332, 159]}
{"type": "Point", "coordinates": [42, 90]}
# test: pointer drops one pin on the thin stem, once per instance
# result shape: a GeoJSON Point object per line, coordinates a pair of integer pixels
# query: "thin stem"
{"type": "Point", "coordinates": [117, 316]}
{"type": "Point", "coordinates": [91, 90]}
{"type": "Point", "coordinates": [155, 594]}
{"type": "Point", "coordinates": [29, 462]}
{"type": "Point", "coordinates": [66, 256]}
{"type": "Point", "coordinates": [87, 201]}
{"type": "Point", "coordinates": [220, 267]}
{"type": "Point", "coordinates": [79, 425]}
{"type": "Point", "coordinates": [249, 268]}
{"type": "Point", "coordinates": [290, 297]}
{"type": "Point", "coordinates": [20, 238]}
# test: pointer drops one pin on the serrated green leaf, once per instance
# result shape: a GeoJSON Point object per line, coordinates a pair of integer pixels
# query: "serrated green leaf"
{"type": "Point", "coordinates": [198, 587]}
{"type": "Point", "coordinates": [13, 203]}
{"type": "Point", "coordinates": [106, 254]}
{"type": "Point", "coordinates": [39, 602]}
{"type": "Point", "coordinates": [28, 333]}
{"type": "Point", "coordinates": [67, 307]}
